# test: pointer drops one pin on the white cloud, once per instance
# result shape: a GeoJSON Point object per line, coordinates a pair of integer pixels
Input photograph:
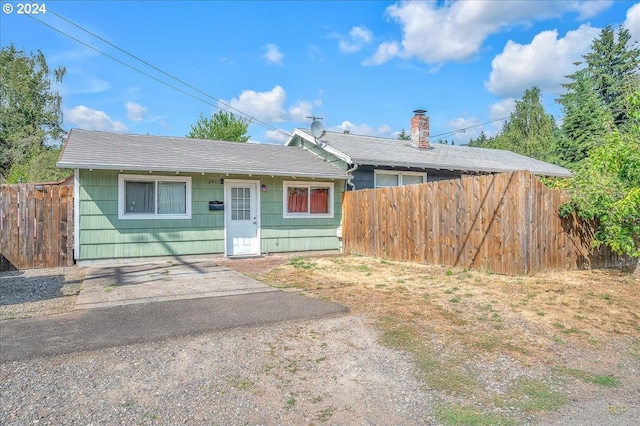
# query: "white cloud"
{"type": "Point", "coordinates": [270, 106]}
{"type": "Point", "coordinates": [589, 9]}
{"type": "Point", "coordinates": [300, 111]}
{"type": "Point", "coordinates": [273, 54]}
{"type": "Point", "coordinates": [436, 32]}
{"type": "Point", "coordinates": [362, 129]}
{"type": "Point", "coordinates": [78, 81]}
{"type": "Point", "coordinates": [135, 112]}
{"type": "Point", "coordinates": [544, 63]}
{"type": "Point", "coordinates": [499, 111]}
{"type": "Point", "coordinates": [265, 106]}
{"type": "Point", "coordinates": [385, 52]}
{"type": "Point", "coordinates": [91, 119]}
{"type": "Point", "coordinates": [276, 137]}
{"type": "Point", "coordinates": [463, 130]}
{"type": "Point", "coordinates": [632, 23]}
{"type": "Point", "coordinates": [358, 38]}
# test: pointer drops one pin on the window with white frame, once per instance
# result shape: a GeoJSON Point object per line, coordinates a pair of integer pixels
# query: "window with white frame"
{"type": "Point", "coordinates": [154, 197]}
{"type": "Point", "coordinates": [385, 178]}
{"type": "Point", "coordinates": [307, 199]}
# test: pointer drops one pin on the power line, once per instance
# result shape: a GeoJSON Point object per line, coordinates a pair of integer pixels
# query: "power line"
{"type": "Point", "coordinates": [462, 130]}
{"type": "Point", "coordinates": [239, 112]}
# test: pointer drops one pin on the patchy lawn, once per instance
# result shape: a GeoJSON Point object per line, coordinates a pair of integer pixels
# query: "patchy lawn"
{"type": "Point", "coordinates": [497, 349]}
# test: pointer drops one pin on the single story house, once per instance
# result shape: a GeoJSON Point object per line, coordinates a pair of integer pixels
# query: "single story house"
{"type": "Point", "coordinates": [141, 195]}
{"type": "Point", "coordinates": [377, 162]}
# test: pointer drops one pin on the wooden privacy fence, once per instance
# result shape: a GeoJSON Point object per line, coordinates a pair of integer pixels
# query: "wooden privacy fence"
{"type": "Point", "coordinates": [505, 223]}
{"type": "Point", "coordinates": [36, 225]}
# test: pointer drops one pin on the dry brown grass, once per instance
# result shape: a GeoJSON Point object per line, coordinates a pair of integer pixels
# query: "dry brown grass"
{"type": "Point", "coordinates": [450, 319]}
{"type": "Point", "coordinates": [519, 314]}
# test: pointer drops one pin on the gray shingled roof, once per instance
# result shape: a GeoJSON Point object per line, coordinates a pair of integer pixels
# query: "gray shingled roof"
{"type": "Point", "coordinates": [89, 149]}
{"type": "Point", "coordinates": [367, 150]}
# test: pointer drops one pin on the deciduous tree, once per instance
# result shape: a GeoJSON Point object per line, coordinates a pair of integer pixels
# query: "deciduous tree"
{"type": "Point", "coordinates": [30, 114]}
{"type": "Point", "coordinates": [222, 126]}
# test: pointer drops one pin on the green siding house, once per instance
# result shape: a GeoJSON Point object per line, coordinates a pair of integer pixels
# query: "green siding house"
{"type": "Point", "coordinates": [141, 195]}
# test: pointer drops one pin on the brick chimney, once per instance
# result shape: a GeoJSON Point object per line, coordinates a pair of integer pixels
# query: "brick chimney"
{"type": "Point", "coordinates": [420, 129]}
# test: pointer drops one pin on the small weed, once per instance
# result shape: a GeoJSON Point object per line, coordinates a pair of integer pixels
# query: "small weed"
{"type": "Point", "coordinates": [301, 263]}
{"type": "Point", "coordinates": [384, 261]}
{"type": "Point", "coordinates": [380, 285]}
{"type": "Point", "coordinates": [291, 402]}
{"type": "Point", "coordinates": [556, 339]}
{"type": "Point", "coordinates": [319, 360]}
{"type": "Point", "coordinates": [469, 295]}
{"type": "Point", "coordinates": [110, 288]}
{"type": "Point", "coordinates": [533, 395]}
{"type": "Point", "coordinates": [240, 383]}
{"type": "Point", "coordinates": [449, 272]}
{"type": "Point", "coordinates": [635, 352]}
{"type": "Point", "coordinates": [455, 300]}
{"type": "Point", "coordinates": [316, 399]}
{"type": "Point", "coordinates": [459, 415]}
{"type": "Point", "coordinates": [364, 268]}
{"type": "Point", "coordinates": [448, 291]}
{"type": "Point", "coordinates": [165, 272]}
{"type": "Point", "coordinates": [571, 330]}
{"type": "Point", "coordinates": [597, 379]}
{"type": "Point", "coordinates": [129, 403]}
{"type": "Point", "coordinates": [325, 414]}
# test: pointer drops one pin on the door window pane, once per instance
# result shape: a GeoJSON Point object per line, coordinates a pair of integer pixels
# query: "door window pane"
{"type": "Point", "coordinates": [240, 203]}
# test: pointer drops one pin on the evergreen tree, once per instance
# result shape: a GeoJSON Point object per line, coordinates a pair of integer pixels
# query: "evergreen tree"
{"type": "Point", "coordinates": [529, 130]}
{"type": "Point", "coordinates": [613, 65]}
{"type": "Point", "coordinates": [586, 120]}
{"type": "Point", "coordinates": [482, 141]}
{"type": "Point", "coordinates": [404, 136]}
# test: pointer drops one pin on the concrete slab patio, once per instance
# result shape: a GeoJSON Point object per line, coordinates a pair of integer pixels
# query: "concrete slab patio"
{"type": "Point", "coordinates": [116, 285]}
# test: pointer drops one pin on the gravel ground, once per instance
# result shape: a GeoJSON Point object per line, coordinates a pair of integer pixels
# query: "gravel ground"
{"type": "Point", "coordinates": [328, 371]}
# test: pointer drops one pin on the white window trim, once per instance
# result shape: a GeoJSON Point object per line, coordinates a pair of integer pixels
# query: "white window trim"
{"type": "Point", "coordinates": [151, 178]}
{"type": "Point", "coordinates": [297, 184]}
{"type": "Point", "coordinates": [396, 173]}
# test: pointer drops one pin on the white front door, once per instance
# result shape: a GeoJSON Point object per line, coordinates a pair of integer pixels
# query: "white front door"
{"type": "Point", "coordinates": [242, 217]}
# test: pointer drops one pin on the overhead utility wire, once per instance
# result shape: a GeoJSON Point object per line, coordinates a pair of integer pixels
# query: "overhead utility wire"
{"type": "Point", "coordinates": [462, 130]}
{"type": "Point", "coordinates": [241, 113]}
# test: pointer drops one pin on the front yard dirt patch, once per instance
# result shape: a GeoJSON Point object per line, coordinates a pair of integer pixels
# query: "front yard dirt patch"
{"type": "Point", "coordinates": [497, 349]}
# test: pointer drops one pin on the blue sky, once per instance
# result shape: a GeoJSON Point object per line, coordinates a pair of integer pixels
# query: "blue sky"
{"type": "Point", "coordinates": [360, 65]}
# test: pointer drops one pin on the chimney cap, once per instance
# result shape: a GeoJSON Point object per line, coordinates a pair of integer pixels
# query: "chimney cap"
{"type": "Point", "coordinates": [420, 111]}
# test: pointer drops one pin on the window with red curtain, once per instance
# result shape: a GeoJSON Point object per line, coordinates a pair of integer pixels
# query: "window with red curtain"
{"type": "Point", "coordinates": [319, 200]}
{"type": "Point", "coordinates": [297, 200]}
{"type": "Point", "coordinates": [307, 199]}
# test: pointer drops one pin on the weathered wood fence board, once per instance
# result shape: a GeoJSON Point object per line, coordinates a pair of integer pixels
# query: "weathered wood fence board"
{"type": "Point", "coordinates": [506, 223]}
{"type": "Point", "coordinates": [36, 225]}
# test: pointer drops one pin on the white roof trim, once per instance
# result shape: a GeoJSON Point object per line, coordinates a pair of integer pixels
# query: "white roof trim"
{"type": "Point", "coordinates": [341, 155]}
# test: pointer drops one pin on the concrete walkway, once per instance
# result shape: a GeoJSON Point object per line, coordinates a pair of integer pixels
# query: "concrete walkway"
{"type": "Point", "coordinates": [108, 286]}
{"type": "Point", "coordinates": [122, 305]}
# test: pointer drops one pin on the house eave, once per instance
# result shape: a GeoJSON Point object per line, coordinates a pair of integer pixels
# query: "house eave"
{"type": "Point", "coordinates": [129, 167]}
{"type": "Point", "coordinates": [458, 168]}
{"type": "Point", "coordinates": [339, 154]}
